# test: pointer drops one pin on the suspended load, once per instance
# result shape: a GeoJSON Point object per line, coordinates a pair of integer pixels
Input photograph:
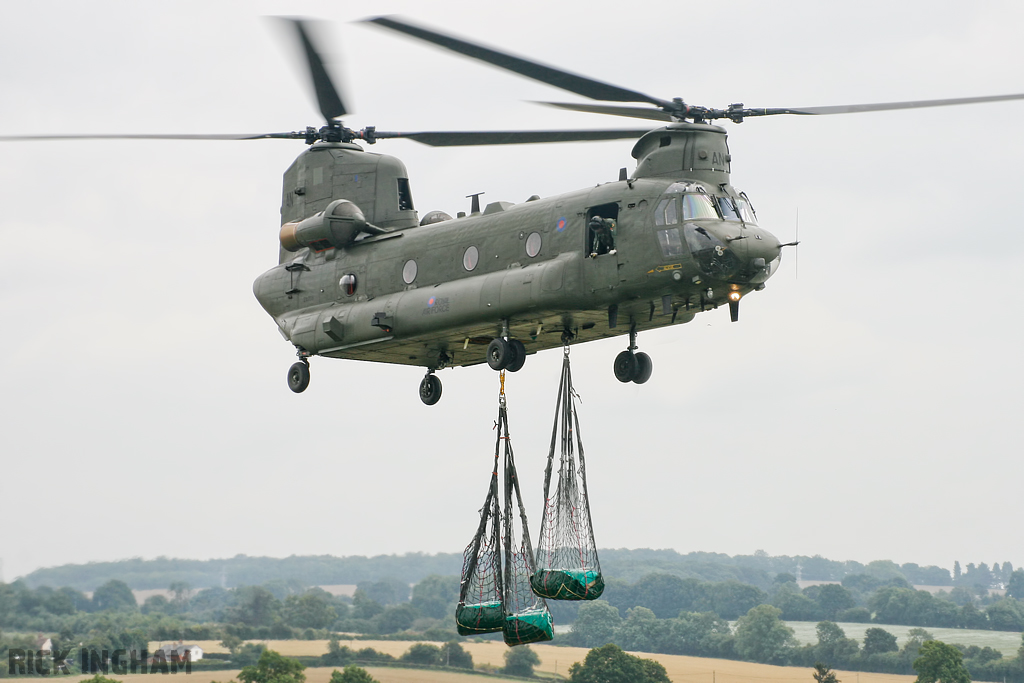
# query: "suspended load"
{"type": "Point", "coordinates": [567, 563]}
{"type": "Point", "coordinates": [527, 619]}
{"type": "Point", "coordinates": [495, 593]}
{"type": "Point", "coordinates": [480, 607]}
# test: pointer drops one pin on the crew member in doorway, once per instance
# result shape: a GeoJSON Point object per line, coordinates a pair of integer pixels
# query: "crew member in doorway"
{"type": "Point", "coordinates": [602, 231]}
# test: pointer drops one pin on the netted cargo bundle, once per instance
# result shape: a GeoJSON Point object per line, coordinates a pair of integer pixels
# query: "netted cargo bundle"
{"type": "Point", "coordinates": [567, 564]}
{"type": "Point", "coordinates": [480, 608]}
{"type": "Point", "coordinates": [527, 619]}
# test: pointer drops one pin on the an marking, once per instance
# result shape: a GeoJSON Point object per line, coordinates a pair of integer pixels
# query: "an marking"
{"type": "Point", "coordinates": [560, 224]}
{"type": "Point", "coordinates": [665, 269]}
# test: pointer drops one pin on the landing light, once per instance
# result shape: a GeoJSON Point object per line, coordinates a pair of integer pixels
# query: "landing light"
{"type": "Point", "coordinates": [734, 296]}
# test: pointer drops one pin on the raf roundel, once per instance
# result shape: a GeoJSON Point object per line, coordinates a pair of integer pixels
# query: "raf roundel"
{"type": "Point", "coordinates": [560, 224]}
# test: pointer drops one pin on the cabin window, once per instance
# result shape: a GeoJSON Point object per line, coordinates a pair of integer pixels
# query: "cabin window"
{"type": "Point", "coordinates": [666, 213]}
{"type": "Point", "coordinates": [409, 271]}
{"type": "Point", "coordinates": [533, 243]}
{"type": "Point", "coordinates": [470, 258]}
{"type": "Point", "coordinates": [348, 284]}
{"type": "Point", "coordinates": [404, 195]}
{"type": "Point", "coordinates": [671, 243]}
{"type": "Point", "coordinates": [697, 207]}
{"type": "Point", "coordinates": [730, 211]}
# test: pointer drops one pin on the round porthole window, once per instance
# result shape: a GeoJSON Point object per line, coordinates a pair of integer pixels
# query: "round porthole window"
{"type": "Point", "coordinates": [470, 258]}
{"type": "Point", "coordinates": [409, 271]}
{"type": "Point", "coordinates": [348, 284]}
{"type": "Point", "coordinates": [533, 244]}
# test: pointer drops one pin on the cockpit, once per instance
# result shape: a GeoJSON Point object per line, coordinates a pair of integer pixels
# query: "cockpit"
{"type": "Point", "coordinates": [718, 251]}
{"type": "Point", "coordinates": [688, 201]}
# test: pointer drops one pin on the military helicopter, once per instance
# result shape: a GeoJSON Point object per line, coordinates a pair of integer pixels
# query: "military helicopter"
{"type": "Point", "coordinates": [361, 276]}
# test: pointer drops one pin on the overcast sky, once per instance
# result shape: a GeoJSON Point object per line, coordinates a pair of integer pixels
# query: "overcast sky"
{"type": "Point", "coordinates": [869, 409]}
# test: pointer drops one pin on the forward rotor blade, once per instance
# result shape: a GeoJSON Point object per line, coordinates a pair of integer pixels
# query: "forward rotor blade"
{"type": "Point", "coordinates": [581, 85]}
{"type": "Point", "coordinates": [326, 94]}
{"type": "Point", "coordinates": [512, 137]}
{"type": "Point", "coordinates": [631, 112]}
{"type": "Point", "coordinates": [886, 106]}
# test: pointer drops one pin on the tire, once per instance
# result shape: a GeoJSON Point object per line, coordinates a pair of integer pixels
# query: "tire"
{"type": "Point", "coordinates": [644, 368]}
{"type": "Point", "coordinates": [499, 354]}
{"type": "Point", "coordinates": [430, 390]}
{"type": "Point", "coordinates": [625, 366]}
{"type": "Point", "coordinates": [519, 351]}
{"type": "Point", "coordinates": [298, 377]}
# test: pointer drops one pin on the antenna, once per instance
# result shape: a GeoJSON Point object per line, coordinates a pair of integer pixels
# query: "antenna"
{"type": "Point", "coordinates": [796, 248]}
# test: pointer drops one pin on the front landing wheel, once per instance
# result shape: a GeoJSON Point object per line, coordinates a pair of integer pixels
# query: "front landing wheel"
{"type": "Point", "coordinates": [298, 377]}
{"type": "Point", "coordinates": [430, 390]}
{"type": "Point", "coordinates": [625, 366]}
{"type": "Point", "coordinates": [644, 368]}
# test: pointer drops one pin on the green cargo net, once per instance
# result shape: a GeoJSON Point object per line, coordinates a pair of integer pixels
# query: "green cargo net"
{"type": "Point", "coordinates": [480, 609]}
{"type": "Point", "coordinates": [527, 619]}
{"type": "Point", "coordinates": [567, 584]}
{"type": "Point", "coordinates": [529, 627]}
{"type": "Point", "coordinates": [487, 617]}
{"type": "Point", "coordinates": [567, 564]}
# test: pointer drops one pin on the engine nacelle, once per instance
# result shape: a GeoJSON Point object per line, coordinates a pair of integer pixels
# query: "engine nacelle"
{"type": "Point", "coordinates": [336, 226]}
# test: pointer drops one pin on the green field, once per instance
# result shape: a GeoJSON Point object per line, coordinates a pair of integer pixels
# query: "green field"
{"type": "Point", "coordinates": [1006, 642]}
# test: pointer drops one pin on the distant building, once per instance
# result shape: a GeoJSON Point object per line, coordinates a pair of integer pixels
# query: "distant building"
{"type": "Point", "coordinates": [180, 650]}
{"type": "Point", "coordinates": [42, 644]}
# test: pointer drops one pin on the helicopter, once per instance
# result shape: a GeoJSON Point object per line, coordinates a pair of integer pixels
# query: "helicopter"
{"type": "Point", "coordinates": [361, 276]}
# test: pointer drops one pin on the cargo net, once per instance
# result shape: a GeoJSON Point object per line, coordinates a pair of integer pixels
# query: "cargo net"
{"type": "Point", "coordinates": [527, 619]}
{"type": "Point", "coordinates": [496, 597]}
{"type": "Point", "coordinates": [567, 564]}
{"type": "Point", "coordinates": [480, 609]}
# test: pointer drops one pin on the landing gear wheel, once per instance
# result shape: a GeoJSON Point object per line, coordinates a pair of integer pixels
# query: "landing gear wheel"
{"type": "Point", "coordinates": [625, 366]}
{"type": "Point", "coordinates": [499, 354]}
{"type": "Point", "coordinates": [644, 368]}
{"type": "Point", "coordinates": [430, 390]}
{"type": "Point", "coordinates": [519, 357]}
{"type": "Point", "coordinates": [298, 377]}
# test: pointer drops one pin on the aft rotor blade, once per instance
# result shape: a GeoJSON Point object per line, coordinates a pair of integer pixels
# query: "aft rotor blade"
{"type": "Point", "coordinates": [631, 112]}
{"type": "Point", "coordinates": [512, 137]}
{"type": "Point", "coordinates": [326, 94]}
{"type": "Point", "coordinates": [157, 136]}
{"type": "Point", "coordinates": [886, 106]}
{"type": "Point", "coordinates": [581, 85]}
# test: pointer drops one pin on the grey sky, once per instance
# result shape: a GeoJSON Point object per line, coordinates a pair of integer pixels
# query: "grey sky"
{"type": "Point", "coordinates": [867, 410]}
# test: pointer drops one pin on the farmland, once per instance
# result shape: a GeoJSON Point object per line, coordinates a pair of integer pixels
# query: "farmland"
{"type": "Point", "coordinates": [555, 661]}
{"type": "Point", "coordinates": [1006, 642]}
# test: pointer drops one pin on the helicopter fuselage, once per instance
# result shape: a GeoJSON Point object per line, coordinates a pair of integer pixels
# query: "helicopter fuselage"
{"type": "Point", "coordinates": [435, 295]}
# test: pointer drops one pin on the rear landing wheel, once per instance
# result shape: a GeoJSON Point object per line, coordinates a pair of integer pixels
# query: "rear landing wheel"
{"type": "Point", "coordinates": [298, 377]}
{"type": "Point", "coordinates": [499, 354]}
{"type": "Point", "coordinates": [430, 390]}
{"type": "Point", "coordinates": [516, 364]}
{"type": "Point", "coordinates": [625, 366]}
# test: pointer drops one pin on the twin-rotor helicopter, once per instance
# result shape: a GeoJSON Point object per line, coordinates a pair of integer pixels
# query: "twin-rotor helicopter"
{"type": "Point", "coordinates": [362, 275]}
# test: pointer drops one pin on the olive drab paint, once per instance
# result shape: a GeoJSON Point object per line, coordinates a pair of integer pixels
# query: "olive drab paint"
{"type": "Point", "coordinates": [445, 314]}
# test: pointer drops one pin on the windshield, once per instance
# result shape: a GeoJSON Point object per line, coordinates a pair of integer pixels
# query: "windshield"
{"type": "Point", "coordinates": [728, 209]}
{"type": "Point", "coordinates": [698, 206]}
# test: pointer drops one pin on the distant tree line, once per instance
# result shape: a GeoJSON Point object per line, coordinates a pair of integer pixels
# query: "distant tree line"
{"type": "Point", "coordinates": [629, 565]}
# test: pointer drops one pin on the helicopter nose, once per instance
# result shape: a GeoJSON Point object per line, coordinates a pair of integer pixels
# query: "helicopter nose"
{"type": "Point", "coordinates": [764, 253]}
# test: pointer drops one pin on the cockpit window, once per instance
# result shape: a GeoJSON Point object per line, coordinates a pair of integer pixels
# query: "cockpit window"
{"type": "Point", "coordinates": [667, 212]}
{"type": "Point", "coordinates": [746, 210]}
{"type": "Point", "coordinates": [729, 210]}
{"type": "Point", "coordinates": [698, 206]}
{"type": "Point", "coordinates": [670, 242]}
